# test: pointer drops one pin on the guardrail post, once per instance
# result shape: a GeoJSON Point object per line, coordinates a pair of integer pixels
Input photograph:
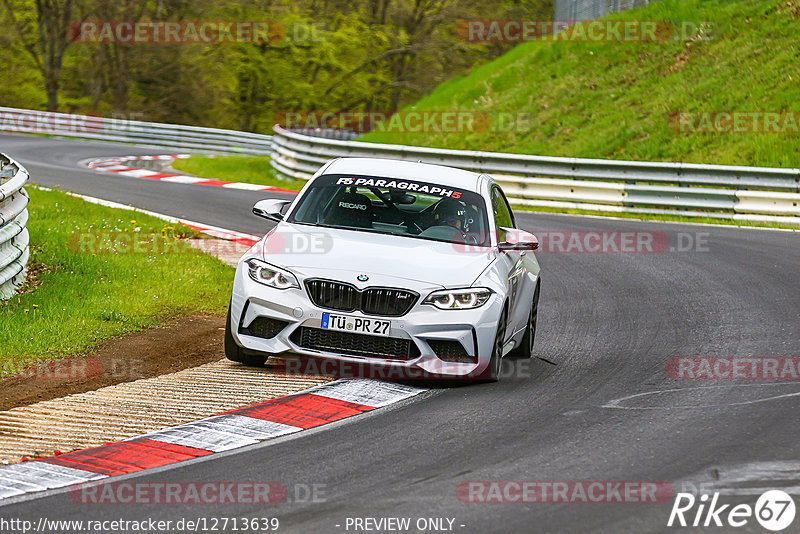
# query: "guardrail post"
{"type": "Point", "coordinates": [14, 249]}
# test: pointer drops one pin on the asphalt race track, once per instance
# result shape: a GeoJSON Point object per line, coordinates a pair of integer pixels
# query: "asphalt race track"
{"type": "Point", "coordinates": [608, 325]}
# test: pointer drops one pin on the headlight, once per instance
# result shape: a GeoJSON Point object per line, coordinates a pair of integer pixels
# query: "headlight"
{"type": "Point", "coordinates": [459, 299]}
{"type": "Point", "coordinates": [271, 276]}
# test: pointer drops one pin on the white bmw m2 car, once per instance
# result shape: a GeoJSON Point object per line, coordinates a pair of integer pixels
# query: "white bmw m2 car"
{"type": "Point", "coordinates": [410, 266]}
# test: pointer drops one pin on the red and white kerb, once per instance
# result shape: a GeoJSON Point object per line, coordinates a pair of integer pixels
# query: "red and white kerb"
{"type": "Point", "coordinates": [311, 408]}
{"type": "Point", "coordinates": [118, 166]}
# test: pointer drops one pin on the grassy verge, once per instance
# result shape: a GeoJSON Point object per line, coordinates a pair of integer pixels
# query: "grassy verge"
{"type": "Point", "coordinates": [621, 100]}
{"type": "Point", "coordinates": [250, 169]}
{"type": "Point", "coordinates": [79, 294]}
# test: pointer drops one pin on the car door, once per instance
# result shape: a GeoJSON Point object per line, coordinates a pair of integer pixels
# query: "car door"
{"type": "Point", "coordinates": [504, 217]}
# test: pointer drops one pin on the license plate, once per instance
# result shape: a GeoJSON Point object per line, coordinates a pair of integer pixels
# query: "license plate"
{"type": "Point", "coordinates": [356, 325]}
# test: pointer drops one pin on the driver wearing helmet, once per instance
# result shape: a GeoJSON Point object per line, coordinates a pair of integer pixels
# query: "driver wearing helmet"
{"type": "Point", "coordinates": [449, 212]}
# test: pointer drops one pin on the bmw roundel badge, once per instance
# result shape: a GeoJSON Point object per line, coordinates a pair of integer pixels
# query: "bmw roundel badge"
{"type": "Point", "coordinates": [363, 277]}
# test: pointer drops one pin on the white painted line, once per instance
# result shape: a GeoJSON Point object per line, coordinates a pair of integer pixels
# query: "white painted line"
{"type": "Point", "coordinates": [692, 403]}
{"type": "Point", "coordinates": [633, 219]}
{"type": "Point", "coordinates": [113, 165]}
{"type": "Point", "coordinates": [117, 167]}
{"type": "Point", "coordinates": [183, 179]}
{"type": "Point", "coordinates": [138, 173]}
{"type": "Point", "coordinates": [246, 186]}
{"type": "Point", "coordinates": [215, 231]}
{"type": "Point", "coordinates": [103, 164]}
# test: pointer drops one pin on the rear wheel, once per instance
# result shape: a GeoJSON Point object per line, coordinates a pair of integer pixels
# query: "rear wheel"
{"type": "Point", "coordinates": [235, 353]}
{"type": "Point", "coordinates": [525, 349]}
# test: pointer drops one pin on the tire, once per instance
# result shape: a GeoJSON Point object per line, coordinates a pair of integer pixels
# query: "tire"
{"type": "Point", "coordinates": [493, 371]}
{"type": "Point", "coordinates": [525, 349]}
{"type": "Point", "coordinates": [235, 353]}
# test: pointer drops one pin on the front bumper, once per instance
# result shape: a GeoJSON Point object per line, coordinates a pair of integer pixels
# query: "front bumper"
{"type": "Point", "coordinates": [474, 329]}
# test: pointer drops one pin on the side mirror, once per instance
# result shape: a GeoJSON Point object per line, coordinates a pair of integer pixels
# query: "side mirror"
{"type": "Point", "coordinates": [271, 209]}
{"type": "Point", "coordinates": [518, 240]}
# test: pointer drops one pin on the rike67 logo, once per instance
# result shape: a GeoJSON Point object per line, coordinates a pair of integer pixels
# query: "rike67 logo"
{"type": "Point", "coordinates": [774, 510]}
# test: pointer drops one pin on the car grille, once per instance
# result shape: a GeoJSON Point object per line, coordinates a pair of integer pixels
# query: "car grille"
{"type": "Point", "coordinates": [355, 344]}
{"type": "Point", "coordinates": [264, 327]}
{"type": "Point", "coordinates": [371, 301]}
{"type": "Point", "coordinates": [333, 295]}
{"type": "Point", "coordinates": [450, 351]}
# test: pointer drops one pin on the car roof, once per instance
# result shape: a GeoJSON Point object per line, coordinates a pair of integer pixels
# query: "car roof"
{"type": "Point", "coordinates": [395, 168]}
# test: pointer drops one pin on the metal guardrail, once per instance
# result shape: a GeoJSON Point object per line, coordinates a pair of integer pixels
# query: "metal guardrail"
{"type": "Point", "coordinates": [718, 191]}
{"type": "Point", "coordinates": [327, 133]}
{"type": "Point", "coordinates": [572, 10]}
{"type": "Point", "coordinates": [149, 134]}
{"type": "Point", "coordinates": [14, 252]}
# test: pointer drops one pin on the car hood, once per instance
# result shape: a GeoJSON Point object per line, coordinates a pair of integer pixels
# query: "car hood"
{"type": "Point", "coordinates": [316, 252]}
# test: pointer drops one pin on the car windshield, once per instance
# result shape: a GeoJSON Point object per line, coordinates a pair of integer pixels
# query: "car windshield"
{"type": "Point", "coordinates": [395, 206]}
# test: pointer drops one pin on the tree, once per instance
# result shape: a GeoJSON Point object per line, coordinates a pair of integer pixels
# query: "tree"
{"type": "Point", "coordinates": [363, 55]}
{"type": "Point", "coordinates": [45, 36]}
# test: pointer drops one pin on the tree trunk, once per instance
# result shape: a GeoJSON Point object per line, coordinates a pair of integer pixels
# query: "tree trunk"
{"type": "Point", "coordinates": [51, 86]}
{"type": "Point", "coordinates": [53, 19]}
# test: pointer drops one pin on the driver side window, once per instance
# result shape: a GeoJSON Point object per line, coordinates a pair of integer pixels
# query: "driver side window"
{"type": "Point", "coordinates": [502, 212]}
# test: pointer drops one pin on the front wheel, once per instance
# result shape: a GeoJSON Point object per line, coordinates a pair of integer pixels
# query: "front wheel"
{"type": "Point", "coordinates": [235, 353]}
{"type": "Point", "coordinates": [493, 370]}
{"type": "Point", "coordinates": [525, 349]}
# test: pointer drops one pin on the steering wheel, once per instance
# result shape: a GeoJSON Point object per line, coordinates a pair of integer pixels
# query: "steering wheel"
{"type": "Point", "coordinates": [404, 217]}
{"type": "Point", "coordinates": [471, 239]}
